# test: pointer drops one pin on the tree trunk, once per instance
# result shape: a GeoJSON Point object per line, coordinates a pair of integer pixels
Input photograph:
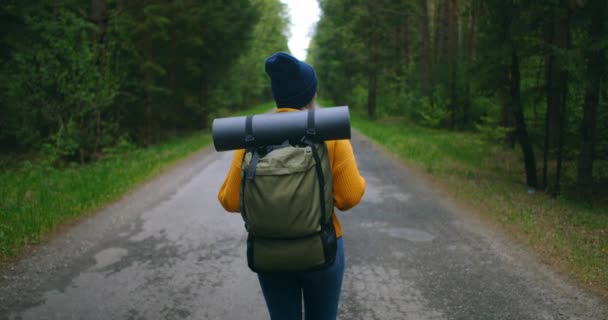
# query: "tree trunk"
{"type": "Point", "coordinates": [404, 29]}
{"type": "Point", "coordinates": [556, 36]}
{"type": "Point", "coordinates": [149, 81]}
{"type": "Point", "coordinates": [563, 42]}
{"type": "Point", "coordinates": [424, 53]}
{"type": "Point", "coordinates": [596, 64]}
{"type": "Point", "coordinates": [504, 36]}
{"type": "Point", "coordinates": [554, 84]}
{"type": "Point", "coordinates": [100, 18]}
{"type": "Point", "coordinates": [204, 104]}
{"type": "Point", "coordinates": [452, 58]}
{"type": "Point", "coordinates": [204, 97]}
{"type": "Point", "coordinates": [372, 61]}
{"type": "Point", "coordinates": [372, 86]}
{"type": "Point", "coordinates": [467, 59]}
{"type": "Point", "coordinates": [437, 35]}
{"type": "Point", "coordinates": [442, 29]}
{"type": "Point", "coordinates": [520, 124]}
{"type": "Point", "coordinates": [472, 45]}
{"type": "Point", "coordinates": [560, 144]}
{"type": "Point", "coordinates": [507, 119]}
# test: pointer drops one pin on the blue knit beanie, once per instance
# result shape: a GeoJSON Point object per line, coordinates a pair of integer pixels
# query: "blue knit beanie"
{"type": "Point", "coordinates": [293, 82]}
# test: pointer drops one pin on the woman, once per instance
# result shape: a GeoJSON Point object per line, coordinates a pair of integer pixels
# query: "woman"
{"type": "Point", "coordinates": [294, 86]}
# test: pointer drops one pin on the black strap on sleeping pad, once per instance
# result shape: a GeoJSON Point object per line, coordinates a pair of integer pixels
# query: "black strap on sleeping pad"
{"type": "Point", "coordinates": [249, 139]}
{"type": "Point", "coordinates": [311, 131]}
{"type": "Point", "coordinates": [250, 147]}
{"type": "Point", "coordinates": [308, 140]}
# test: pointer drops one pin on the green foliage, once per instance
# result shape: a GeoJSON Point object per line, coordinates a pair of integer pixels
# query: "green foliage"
{"type": "Point", "coordinates": [65, 144]}
{"type": "Point", "coordinates": [359, 97]}
{"type": "Point", "coordinates": [56, 84]}
{"type": "Point", "coordinates": [122, 147]}
{"type": "Point", "coordinates": [431, 115]}
{"type": "Point", "coordinates": [75, 82]}
{"type": "Point", "coordinates": [489, 126]}
{"type": "Point", "coordinates": [51, 79]}
{"type": "Point", "coordinates": [462, 79]}
{"type": "Point", "coordinates": [246, 84]}
{"type": "Point", "coordinates": [491, 130]}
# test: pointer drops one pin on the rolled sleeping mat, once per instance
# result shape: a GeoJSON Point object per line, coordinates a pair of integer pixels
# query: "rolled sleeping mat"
{"type": "Point", "coordinates": [274, 128]}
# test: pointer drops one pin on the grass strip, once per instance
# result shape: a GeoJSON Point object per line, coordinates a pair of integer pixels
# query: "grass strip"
{"type": "Point", "coordinates": [37, 199]}
{"type": "Point", "coordinates": [489, 179]}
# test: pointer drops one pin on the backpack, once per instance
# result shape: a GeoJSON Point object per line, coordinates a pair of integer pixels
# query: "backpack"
{"type": "Point", "coordinates": [286, 201]}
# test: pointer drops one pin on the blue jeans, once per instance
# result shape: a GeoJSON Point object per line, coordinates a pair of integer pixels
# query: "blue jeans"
{"type": "Point", "coordinates": [320, 289]}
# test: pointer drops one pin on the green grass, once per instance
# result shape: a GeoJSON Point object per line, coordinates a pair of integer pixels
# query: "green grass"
{"type": "Point", "coordinates": [37, 199]}
{"type": "Point", "coordinates": [490, 180]}
{"type": "Point", "coordinates": [262, 108]}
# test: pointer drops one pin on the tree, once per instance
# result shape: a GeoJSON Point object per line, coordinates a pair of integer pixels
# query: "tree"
{"type": "Point", "coordinates": [78, 76]}
{"type": "Point", "coordinates": [424, 55]}
{"type": "Point", "coordinates": [532, 72]}
{"type": "Point", "coordinates": [557, 37]}
{"type": "Point", "coordinates": [595, 73]}
{"type": "Point", "coordinates": [57, 69]}
{"type": "Point", "coordinates": [246, 83]}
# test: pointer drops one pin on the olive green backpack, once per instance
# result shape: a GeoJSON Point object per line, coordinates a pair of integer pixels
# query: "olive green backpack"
{"type": "Point", "coordinates": [286, 202]}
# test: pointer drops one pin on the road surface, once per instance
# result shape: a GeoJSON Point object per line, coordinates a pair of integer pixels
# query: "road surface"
{"type": "Point", "coordinates": [168, 251]}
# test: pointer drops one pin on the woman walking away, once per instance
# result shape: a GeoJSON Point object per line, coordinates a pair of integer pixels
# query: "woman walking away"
{"type": "Point", "coordinates": [294, 86]}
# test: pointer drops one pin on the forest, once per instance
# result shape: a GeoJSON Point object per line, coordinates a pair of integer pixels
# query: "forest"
{"type": "Point", "coordinates": [529, 75]}
{"type": "Point", "coordinates": [502, 104]}
{"type": "Point", "coordinates": [80, 77]}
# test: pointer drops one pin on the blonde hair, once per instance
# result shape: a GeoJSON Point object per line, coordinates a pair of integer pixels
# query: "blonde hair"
{"type": "Point", "coordinates": [312, 104]}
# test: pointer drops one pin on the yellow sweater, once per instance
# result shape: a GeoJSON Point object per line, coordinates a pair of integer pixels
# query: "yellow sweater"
{"type": "Point", "coordinates": [348, 187]}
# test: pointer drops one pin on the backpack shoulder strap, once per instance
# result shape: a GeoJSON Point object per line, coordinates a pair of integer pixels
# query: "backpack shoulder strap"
{"type": "Point", "coordinates": [249, 148]}
{"type": "Point", "coordinates": [308, 140]}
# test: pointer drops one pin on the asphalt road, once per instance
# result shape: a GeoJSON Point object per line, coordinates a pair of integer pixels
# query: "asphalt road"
{"type": "Point", "coordinates": [168, 251]}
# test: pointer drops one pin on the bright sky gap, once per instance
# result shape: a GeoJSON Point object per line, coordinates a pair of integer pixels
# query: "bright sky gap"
{"type": "Point", "coordinates": [304, 15]}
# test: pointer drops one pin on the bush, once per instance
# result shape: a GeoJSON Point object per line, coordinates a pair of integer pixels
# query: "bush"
{"type": "Point", "coordinates": [489, 123]}
{"type": "Point", "coordinates": [122, 147]}
{"type": "Point", "coordinates": [432, 115]}
{"type": "Point", "coordinates": [491, 130]}
{"type": "Point", "coordinates": [65, 145]}
{"type": "Point", "coordinates": [359, 99]}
